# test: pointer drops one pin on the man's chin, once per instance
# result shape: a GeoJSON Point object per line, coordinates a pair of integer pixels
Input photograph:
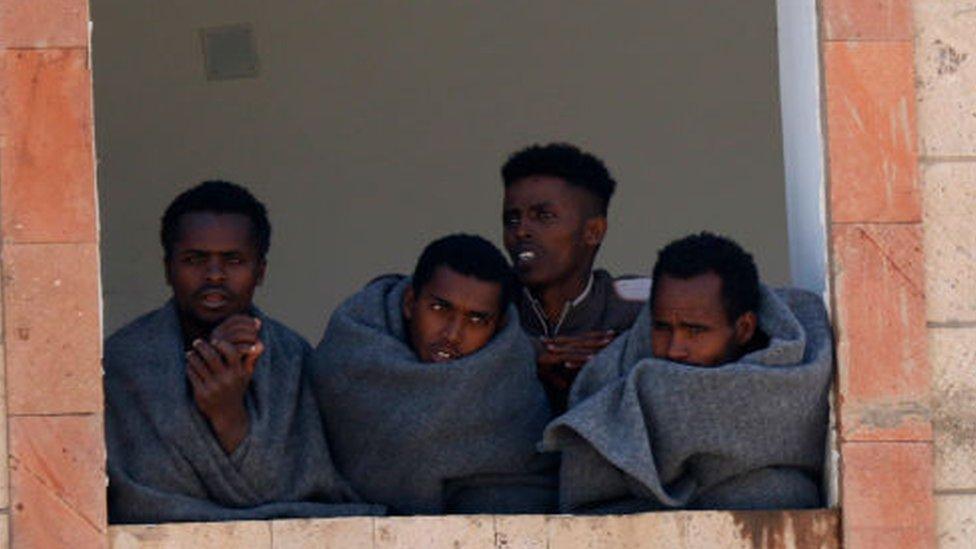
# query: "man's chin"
{"type": "Point", "coordinates": [211, 318]}
{"type": "Point", "coordinates": [533, 278]}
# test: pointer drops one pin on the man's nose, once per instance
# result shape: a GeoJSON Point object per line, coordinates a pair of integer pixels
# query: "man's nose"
{"type": "Point", "coordinates": [677, 347]}
{"type": "Point", "coordinates": [215, 269]}
{"type": "Point", "coordinates": [522, 231]}
{"type": "Point", "coordinates": [453, 329]}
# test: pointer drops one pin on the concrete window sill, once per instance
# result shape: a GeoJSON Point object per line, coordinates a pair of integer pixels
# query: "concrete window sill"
{"type": "Point", "coordinates": [725, 529]}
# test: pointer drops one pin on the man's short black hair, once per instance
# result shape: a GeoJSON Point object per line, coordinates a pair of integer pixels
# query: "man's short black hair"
{"type": "Point", "coordinates": [220, 197]}
{"type": "Point", "coordinates": [467, 255]}
{"type": "Point", "coordinates": [567, 162]}
{"type": "Point", "coordinates": [704, 253]}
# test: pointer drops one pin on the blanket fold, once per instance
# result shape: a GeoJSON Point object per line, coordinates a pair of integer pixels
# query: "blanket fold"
{"type": "Point", "coordinates": [432, 438]}
{"type": "Point", "coordinates": [749, 434]}
{"type": "Point", "coordinates": [165, 463]}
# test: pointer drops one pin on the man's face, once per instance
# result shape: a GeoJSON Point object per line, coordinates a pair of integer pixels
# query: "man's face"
{"type": "Point", "coordinates": [214, 267]}
{"type": "Point", "coordinates": [452, 315]}
{"type": "Point", "coordinates": [547, 232]}
{"type": "Point", "coordinates": [690, 325]}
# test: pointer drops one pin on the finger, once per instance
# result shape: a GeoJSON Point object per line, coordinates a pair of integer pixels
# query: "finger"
{"type": "Point", "coordinates": [251, 358]}
{"type": "Point", "coordinates": [211, 358]}
{"type": "Point", "coordinates": [236, 323]}
{"type": "Point", "coordinates": [231, 357]}
{"type": "Point", "coordinates": [237, 334]}
{"type": "Point", "coordinates": [590, 344]}
{"type": "Point", "coordinates": [197, 382]}
{"type": "Point", "coordinates": [196, 365]}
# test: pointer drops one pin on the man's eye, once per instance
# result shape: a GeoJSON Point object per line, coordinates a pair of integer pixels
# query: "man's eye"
{"type": "Point", "coordinates": [235, 260]}
{"type": "Point", "coordinates": [193, 259]}
{"type": "Point", "coordinates": [510, 220]}
{"type": "Point", "coordinates": [546, 216]}
{"type": "Point", "coordinates": [660, 327]}
{"type": "Point", "coordinates": [477, 319]}
{"type": "Point", "coordinates": [435, 306]}
{"type": "Point", "coordinates": [697, 330]}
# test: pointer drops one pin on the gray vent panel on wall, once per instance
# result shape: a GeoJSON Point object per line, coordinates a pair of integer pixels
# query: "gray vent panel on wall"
{"type": "Point", "coordinates": [229, 52]}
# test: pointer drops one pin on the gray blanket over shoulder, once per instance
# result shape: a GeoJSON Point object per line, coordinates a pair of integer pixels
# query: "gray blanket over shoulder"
{"type": "Point", "coordinates": [643, 433]}
{"type": "Point", "coordinates": [164, 462]}
{"type": "Point", "coordinates": [422, 438]}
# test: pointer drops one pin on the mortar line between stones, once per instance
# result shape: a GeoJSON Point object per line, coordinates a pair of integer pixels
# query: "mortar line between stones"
{"type": "Point", "coordinates": [957, 159]}
{"type": "Point", "coordinates": [951, 324]}
{"type": "Point", "coordinates": [876, 223]}
{"type": "Point", "coordinates": [870, 40]}
{"type": "Point", "coordinates": [956, 492]}
{"type": "Point", "coordinates": [887, 441]}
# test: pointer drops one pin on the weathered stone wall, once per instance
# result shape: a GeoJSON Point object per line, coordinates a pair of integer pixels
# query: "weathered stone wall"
{"type": "Point", "coordinates": [684, 530]}
{"type": "Point", "coordinates": [51, 303]}
{"type": "Point", "coordinates": [877, 263]}
{"type": "Point", "coordinates": [900, 313]}
{"type": "Point", "coordinates": [945, 60]}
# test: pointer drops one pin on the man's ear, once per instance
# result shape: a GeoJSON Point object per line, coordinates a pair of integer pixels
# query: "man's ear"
{"type": "Point", "coordinates": [745, 327]}
{"type": "Point", "coordinates": [408, 299]}
{"type": "Point", "coordinates": [594, 229]}
{"type": "Point", "coordinates": [262, 269]}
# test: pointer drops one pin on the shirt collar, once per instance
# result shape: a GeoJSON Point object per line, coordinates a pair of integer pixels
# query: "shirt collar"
{"type": "Point", "coordinates": [569, 305]}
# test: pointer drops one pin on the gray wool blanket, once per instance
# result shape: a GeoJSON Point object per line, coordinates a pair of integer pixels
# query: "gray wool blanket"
{"type": "Point", "coordinates": [421, 438]}
{"type": "Point", "coordinates": [164, 462]}
{"type": "Point", "coordinates": [643, 433]}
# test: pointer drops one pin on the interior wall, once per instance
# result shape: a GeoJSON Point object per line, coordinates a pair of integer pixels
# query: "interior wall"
{"type": "Point", "coordinates": [375, 127]}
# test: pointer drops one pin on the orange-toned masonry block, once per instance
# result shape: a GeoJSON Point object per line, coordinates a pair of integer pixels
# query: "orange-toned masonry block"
{"type": "Point", "coordinates": [46, 151]}
{"type": "Point", "coordinates": [43, 23]}
{"type": "Point", "coordinates": [52, 328]}
{"type": "Point", "coordinates": [866, 19]}
{"type": "Point", "coordinates": [884, 373]}
{"type": "Point", "coordinates": [871, 132]}
{"type": "Point", "coordinates": [887, 495]}
{"type": "Point", "coordinates": [57, 477]}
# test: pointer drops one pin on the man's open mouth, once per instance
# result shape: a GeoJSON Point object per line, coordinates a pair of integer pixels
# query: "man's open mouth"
{"type": "Point", "coordinates": [445, 355]}
{"type": "Point", "coordinates": [525, 256]}
{"type": "Point", "coordinates": [214, 299]}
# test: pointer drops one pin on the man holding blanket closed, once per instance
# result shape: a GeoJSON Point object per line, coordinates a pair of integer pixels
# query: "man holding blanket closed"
{"type": "Point", "coordinates": [208, 415]}
{"type": "Point", "coordinates": [554, 219]}
{"type": "Point", "coordinates": [428, 390]}
{"type": "Point", "coordinates": [715, 399]}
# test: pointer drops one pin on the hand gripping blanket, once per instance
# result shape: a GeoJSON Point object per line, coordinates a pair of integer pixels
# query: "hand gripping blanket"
{"type": "Point", "coordinates": [426, 438]}
{"type": "Point", "coordinates": [643, 433]}
{"type": "Point", "coordinates": [165, 463]}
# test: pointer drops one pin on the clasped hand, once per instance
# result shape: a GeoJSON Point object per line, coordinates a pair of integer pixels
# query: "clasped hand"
{"type": "Point", "coordinates": [220, 371]}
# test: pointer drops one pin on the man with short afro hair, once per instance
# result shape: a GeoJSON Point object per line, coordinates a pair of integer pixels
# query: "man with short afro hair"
{"type": "Point", "coordinates": [554, 219]}
{"type": "Point", "coordinates": [208, 413]}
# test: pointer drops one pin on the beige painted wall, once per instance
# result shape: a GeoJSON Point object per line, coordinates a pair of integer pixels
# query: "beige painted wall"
{"type": "Point", "coordinates": [945, 66]}
{"type": "Point", "coordinates": [377, 126]}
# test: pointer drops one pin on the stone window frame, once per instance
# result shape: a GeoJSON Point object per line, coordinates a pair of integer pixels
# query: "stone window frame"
{"type": "Point", "coordinates": [53, 491]}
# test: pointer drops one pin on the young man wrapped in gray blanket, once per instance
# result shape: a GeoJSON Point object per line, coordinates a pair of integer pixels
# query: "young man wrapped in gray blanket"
{"type": "Point", "coordinates": [428, 391]}
{"type": "Point", "coordinates": [554, 219]}
{"type": "Point", "coordinates": [715, 399]}
{"type": "Point", "coordinates": [208, 414]}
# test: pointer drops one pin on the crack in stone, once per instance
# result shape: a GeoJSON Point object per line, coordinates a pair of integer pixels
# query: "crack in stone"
{"type": "Point", "coordinates": [898, 269]}
{"type": "Point", "coordinates": [19, 464]}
